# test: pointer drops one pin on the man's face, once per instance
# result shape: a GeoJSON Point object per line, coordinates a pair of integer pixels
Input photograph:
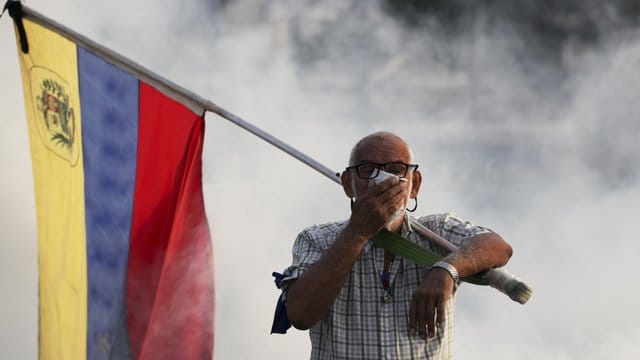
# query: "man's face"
{"type": "Point", "coordinates": [382, 151]}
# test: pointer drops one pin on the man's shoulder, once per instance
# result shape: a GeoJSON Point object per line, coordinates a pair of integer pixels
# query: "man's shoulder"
{"type": "Point", "coordinates": [320, 236]}
{"type": "Point", "coordinates": [451, 227]}
{"type": "Point", "coordinates": [432, 220]}
{"type": "Point", "coordinates": [448, 222]}
{"type": "Point", "coordinates": [331, 228]}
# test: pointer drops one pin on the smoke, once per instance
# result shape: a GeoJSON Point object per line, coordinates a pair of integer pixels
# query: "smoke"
{"type": "Point", "coordinates": [520, 114]}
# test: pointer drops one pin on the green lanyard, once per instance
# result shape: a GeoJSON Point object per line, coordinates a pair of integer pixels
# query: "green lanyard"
{"type": "Point", "coordinates": [400, 246]}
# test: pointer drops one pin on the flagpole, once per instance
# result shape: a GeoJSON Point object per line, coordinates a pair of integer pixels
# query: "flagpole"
{"type": "Point", "coordinates": [332, 175]}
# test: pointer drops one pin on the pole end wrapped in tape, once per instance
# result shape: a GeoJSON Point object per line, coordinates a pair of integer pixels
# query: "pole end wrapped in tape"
{"type": "Point", "coordinates": [515, 288]}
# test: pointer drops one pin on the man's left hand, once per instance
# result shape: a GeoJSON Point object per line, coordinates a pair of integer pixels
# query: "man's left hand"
{"type": "Point", "coordinates": [429, 302]}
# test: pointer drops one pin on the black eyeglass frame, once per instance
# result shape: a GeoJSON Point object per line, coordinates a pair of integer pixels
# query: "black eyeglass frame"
{"type": "Point", "coordinates": [376, 171]}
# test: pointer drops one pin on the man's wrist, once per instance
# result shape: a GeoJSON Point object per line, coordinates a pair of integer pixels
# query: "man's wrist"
{"type": "Point", "coordinates": [449, 268]}
{"type": "Point", "coordinates": [355, 234]}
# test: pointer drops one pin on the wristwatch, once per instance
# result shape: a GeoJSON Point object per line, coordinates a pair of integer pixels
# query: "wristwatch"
{"type": "Point", "coordinates": [450, 269]}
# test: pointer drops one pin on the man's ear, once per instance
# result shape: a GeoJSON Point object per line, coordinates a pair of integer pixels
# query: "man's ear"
{"type": "Point", "coordinates": [416, 179]}
{"type": "Point", "coordinates": [345, 178]}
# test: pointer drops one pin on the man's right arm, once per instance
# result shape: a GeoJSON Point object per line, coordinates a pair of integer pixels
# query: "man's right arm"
{"type": "Point", "coordinates": [312, 294]}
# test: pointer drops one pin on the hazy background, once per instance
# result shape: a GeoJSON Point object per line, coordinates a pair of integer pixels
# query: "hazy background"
{"type": "Point", "coordinates": [522, 115]}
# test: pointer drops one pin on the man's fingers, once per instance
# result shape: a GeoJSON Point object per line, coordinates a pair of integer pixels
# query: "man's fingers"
{"type": "Point", "coordinates": [441, 313]}
{"type": "Point", "coordinates": [388, 188]}
{"type": "Point", "coordinates": [420, 322]}
{"type": "Point", "coordinates": [388, 199]}
{"type": "Point", "coordinates": [393, 196]}
{"type": "Point", "coordinates": [428, 310]}
{"type": "Point", "coordinates": [430, 316]}
{"type": "Point", "coordinates": [378, 203]}
{"type": "Point", "coordinates": [413, 313]}
{"type": "Point", "coordinates": [418, 319]}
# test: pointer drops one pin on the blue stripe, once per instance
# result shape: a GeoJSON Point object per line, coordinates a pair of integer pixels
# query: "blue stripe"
{"type": "Point", "coordinates": [109, 103]}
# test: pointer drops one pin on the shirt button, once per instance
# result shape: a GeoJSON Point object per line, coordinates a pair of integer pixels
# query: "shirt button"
{"type": "Point", "coordinates": [388, 357]}
{"type": "Point", "coordinates": [386, 326]}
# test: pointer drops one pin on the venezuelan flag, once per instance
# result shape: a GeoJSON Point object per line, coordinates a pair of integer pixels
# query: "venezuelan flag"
{"type": "Point", "coordinates": [125, 259]}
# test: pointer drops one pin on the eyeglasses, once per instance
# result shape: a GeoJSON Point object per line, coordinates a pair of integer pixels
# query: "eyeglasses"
{"type": "Point", "coordinates": [369, 170]}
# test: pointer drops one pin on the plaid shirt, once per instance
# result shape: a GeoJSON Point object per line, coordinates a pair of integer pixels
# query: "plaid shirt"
{"type": "Point", "coordinates": [359, 324]}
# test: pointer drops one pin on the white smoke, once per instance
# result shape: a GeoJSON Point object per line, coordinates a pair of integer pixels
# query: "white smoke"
{"type": "Point", "coordinates": [543, 153]}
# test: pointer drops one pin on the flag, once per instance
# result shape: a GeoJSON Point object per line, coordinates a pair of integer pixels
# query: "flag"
{"type": "Point", "coordinates": [125, 258]}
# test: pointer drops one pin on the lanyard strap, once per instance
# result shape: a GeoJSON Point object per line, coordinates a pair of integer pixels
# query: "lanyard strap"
{"type": "Point", "coordinates": [400, 246]}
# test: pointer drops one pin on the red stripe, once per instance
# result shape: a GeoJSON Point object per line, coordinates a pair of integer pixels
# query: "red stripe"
{"type": "Point", "coordinates": [170, 296]}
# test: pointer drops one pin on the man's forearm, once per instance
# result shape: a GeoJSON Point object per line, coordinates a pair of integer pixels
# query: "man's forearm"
{"type": "Point", "coordinates": [481, 253]}
{"type": "Point", "coordinates": [311, 295]}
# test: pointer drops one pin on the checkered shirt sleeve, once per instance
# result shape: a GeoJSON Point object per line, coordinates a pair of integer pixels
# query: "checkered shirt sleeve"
{"type": "Point", "coordinates": [309, 246]}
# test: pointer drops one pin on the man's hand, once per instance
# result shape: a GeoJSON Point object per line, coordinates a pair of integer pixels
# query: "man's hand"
{"type": "Point", "coordinates": [374, 206]}
{"type": "Point", "coordinates": [429, 302]}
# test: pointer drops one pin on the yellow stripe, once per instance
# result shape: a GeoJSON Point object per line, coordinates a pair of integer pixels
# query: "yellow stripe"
{"type": "Point", "coordinates": [50, 82]}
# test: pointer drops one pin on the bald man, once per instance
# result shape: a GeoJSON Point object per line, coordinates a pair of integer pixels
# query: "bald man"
{"type": "Point", "coordinates": [362, 302]}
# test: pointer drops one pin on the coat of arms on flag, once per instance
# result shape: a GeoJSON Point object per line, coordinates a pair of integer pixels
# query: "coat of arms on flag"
{"type": "Point", "coordinates": [55, 113]}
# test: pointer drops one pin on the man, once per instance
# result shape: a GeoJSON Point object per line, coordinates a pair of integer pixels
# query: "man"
{"type": "Point", "coordinates": [361, 302]}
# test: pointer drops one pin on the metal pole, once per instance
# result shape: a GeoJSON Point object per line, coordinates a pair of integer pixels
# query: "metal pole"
{"type": "Point", "coordinates": [332, 175]}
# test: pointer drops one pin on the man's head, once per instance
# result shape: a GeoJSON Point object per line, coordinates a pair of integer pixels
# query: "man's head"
{"type": "Point", "coordinates": [379, 148]}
